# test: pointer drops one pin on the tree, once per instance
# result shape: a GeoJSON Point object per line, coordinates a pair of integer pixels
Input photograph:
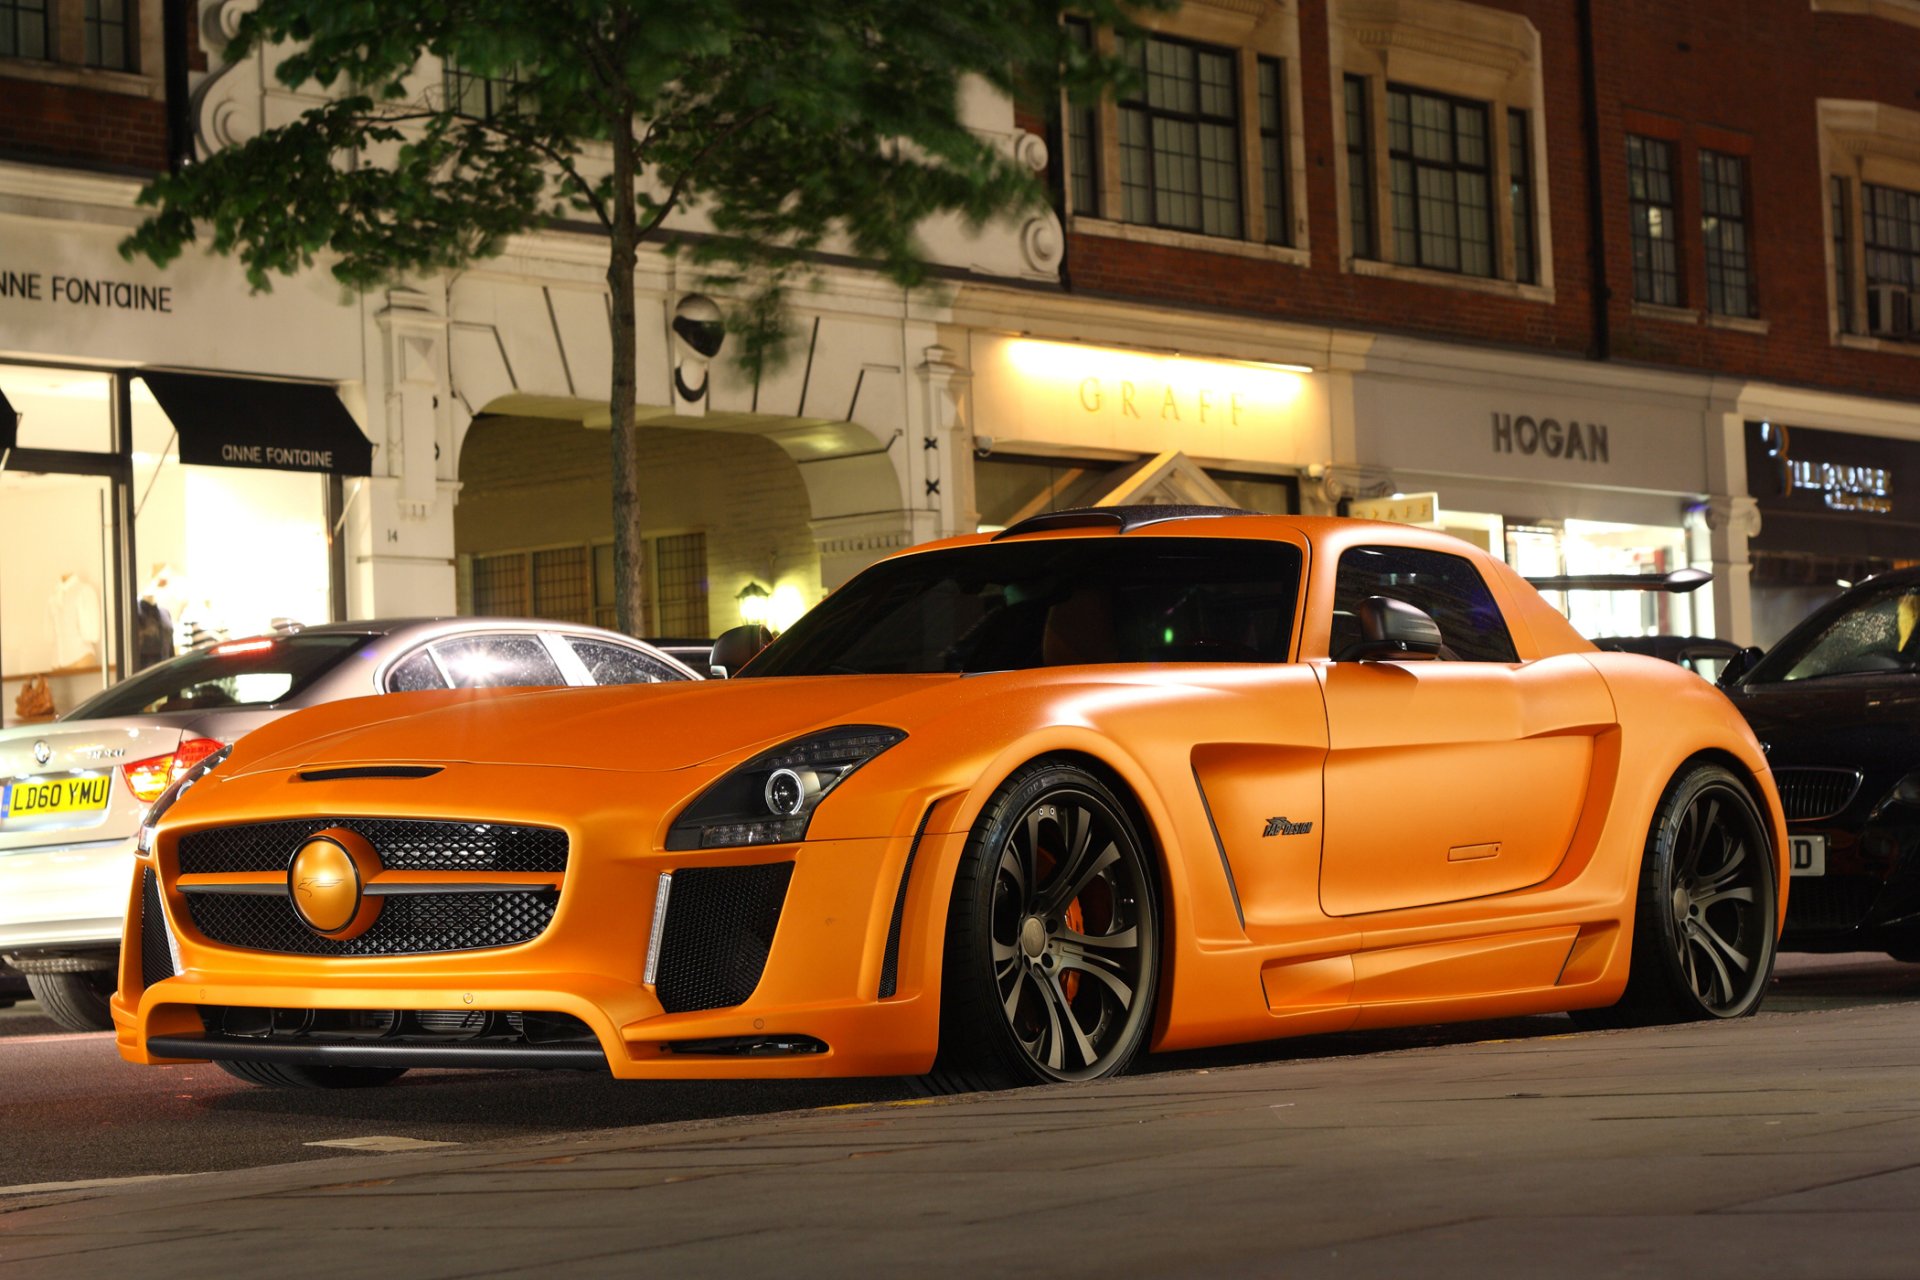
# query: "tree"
{"type": "Point", "coordinates": [788, 123]}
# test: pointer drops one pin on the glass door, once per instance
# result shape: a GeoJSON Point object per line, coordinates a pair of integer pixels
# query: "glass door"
{"type": "Point", "coordinates": [57, 587]}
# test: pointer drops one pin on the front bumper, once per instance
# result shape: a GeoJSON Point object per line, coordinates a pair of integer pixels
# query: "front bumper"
{"type": "Point", "coordinates": [818, 993]}
{"type": "Point", "coordinates": [1869, 897]}
{"type": "Point", "coordinates": [65, 898]}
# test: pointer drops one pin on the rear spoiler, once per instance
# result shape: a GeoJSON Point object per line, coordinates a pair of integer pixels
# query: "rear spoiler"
{"type": "Point", "coordinates": [1680, 580]}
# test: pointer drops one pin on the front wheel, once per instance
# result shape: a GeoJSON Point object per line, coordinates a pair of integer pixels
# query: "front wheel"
{"type": "Point", "coordinates": [1053, 940]}
{"type": "Point", "coordinates": [77, 1001]}
{"type": "Point", "coordinates": [1705, 922]}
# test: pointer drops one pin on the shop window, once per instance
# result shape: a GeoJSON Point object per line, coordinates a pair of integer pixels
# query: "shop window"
{"type": "Point", "coordinates": [1008, 490]}
{"type": "Point", "coordinates": [1438, 120]}
{"type": "Point", "coordinates": [1653, 205]}
{"type": "Point", "coordinates": [1447, 587]}
{"type": "Point", "coordinates": [482, 97]}
{"type": "Point", "coordinates": [1440, 182]}
{"type": "Point", "coordinates": [1723, 225]}
{"type": "Point", "coordinates": [1268, 495]}
{"type": "Point", "coordinates": [110, 34]}
{"type": "Point", "coordinates": [1890, 234]}
{"type": "Point", "coordinates": [23, 29]}
{"type": "Point", "coordinates": [64, 409]}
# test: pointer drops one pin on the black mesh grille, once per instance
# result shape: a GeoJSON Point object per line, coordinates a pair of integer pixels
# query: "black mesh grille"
{"type": "Point", "coordinates": [1808, 795]}
{"type": "Point", "coordinates": [156, 960]}
{"type": "Point", "coordinates": [1816, 903]}
{"type": "Point", "coordinates": [404, 844]}
{"type": "Point", "coordinates": [410, 924]}
{"type": "Point", "coordinates": [718, 930]}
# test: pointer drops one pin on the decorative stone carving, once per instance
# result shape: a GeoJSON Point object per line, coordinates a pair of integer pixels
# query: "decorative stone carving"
{"type": "Point", "coordinates": [1734, 514]}
{"type": "Point", "coordinates": [1041, 243]}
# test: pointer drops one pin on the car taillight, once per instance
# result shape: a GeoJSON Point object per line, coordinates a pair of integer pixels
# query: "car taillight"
{"type": "Point", "coordinates": [148, 778]}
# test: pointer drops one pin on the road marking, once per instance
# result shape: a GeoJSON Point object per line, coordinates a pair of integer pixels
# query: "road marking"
{"type": "Point", "coordinates": [56, 1037]}
{"type": "Point", "coordinates": [89, 1184]}
{"type": "Point", "coordinates": [380, 1142]}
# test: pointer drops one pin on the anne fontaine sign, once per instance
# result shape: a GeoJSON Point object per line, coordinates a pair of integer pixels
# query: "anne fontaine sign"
{"type": "Point", "coordinates": [85, 291]}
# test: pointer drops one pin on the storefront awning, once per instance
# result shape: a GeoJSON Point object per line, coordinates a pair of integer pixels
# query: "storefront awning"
{"type": "Point", "coordinates": [9, 424]}
{"type": "Point", "coordinates": [261, 425]}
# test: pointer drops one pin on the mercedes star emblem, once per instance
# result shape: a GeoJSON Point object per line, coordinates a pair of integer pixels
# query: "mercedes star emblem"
{"type": "Point", "coordinates": [42, 752]}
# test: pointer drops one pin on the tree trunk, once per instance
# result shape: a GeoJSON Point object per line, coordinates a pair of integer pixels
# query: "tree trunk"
{"type": "Point", "coordinates": [629, 551]}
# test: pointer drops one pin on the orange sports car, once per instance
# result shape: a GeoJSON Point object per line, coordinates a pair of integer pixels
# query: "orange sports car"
{"type": "Point", "coordinates": [1004, 808]}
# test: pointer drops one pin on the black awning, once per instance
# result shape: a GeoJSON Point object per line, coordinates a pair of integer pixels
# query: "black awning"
{"type": "Point", "coordinates": [261, 425]}
{"type": "Point", "coordinates": [9, 424]}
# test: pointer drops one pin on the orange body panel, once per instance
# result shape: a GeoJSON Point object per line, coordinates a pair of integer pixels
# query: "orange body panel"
{"type": "Point", "coordinates": [1458, 840]}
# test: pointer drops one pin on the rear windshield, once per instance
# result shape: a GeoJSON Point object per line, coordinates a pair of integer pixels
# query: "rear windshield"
{"type": "Point", "coordinates": [232, 675]}
{"type": "Point", "coordinates": [1059, 602]}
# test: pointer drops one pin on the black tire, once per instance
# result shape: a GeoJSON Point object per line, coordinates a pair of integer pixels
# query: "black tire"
{"type": "Point", "coordinates": [1053, 940]}
{"type": "Point", "coordinates": [1706, 917]}
{"type": "Point", "coordinates": [286, 1075]}
{"type": "Point", "coordinates": [77, 1001]}
{"type": "Point", "coordinates": [1905, 952]}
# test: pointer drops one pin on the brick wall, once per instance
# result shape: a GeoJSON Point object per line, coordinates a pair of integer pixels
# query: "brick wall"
{"type": "Point", "coordinates": [1731, 70]}
{"type": "Point", "coordinates": [70, 124]}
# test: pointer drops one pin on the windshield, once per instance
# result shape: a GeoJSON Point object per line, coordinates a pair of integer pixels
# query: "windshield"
{"type": "Point", "coordinates": [1057, 602]}
{"type": "Point", "coordinates": [1879, 631]}
{"type": "Point", "coordinates": [248, 673]}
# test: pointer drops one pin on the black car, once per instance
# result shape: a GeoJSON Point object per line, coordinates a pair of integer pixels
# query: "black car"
{"type": "Point", "coordinates": [1837, 706]}
{"type": "Point", "coordinates": [1705, 656]}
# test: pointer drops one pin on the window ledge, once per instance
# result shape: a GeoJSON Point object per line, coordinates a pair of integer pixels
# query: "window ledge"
{"type": "Point", "coordinates": [1885, 346]}
{"type": "Point", "coordinates": [1135, 234]}
{"type": "Point", "coordinates": [1672, 315]}
{"type": "Point", "coordinates": [1738, 324]}
{"type": "Point", "coordinates": [1450, 280]}
{"type": "Point", "coordinates": [132, 84]}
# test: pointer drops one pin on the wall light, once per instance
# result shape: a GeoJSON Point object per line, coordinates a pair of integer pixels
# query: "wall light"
{"type": "Point", "coordinates": [752, 599]}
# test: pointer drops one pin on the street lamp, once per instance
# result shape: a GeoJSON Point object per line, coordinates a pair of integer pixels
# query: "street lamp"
{"type": "Point", "coordinates": [752, 600]}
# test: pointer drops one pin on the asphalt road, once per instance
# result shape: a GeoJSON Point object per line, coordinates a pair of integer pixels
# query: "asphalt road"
{"type": "Point", "coordinates": [71, 1111]}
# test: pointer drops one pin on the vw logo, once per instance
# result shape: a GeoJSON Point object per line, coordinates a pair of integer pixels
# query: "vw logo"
{"type": "Point", "coordinates": [42, 752]}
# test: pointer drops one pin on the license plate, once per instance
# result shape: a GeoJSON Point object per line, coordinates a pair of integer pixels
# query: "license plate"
{"type": "Point", "coordinates": [1807, 855]}
{"type": "Point", "coordinates": [54, 796]}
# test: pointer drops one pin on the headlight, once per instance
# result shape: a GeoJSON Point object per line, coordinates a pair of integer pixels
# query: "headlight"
{"type": "Point", "coordinates": [174, 791]}
{"type": "Point", "coordinates": [771, 798]}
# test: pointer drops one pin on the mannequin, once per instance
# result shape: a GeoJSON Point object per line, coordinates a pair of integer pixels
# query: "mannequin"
{"type": "Point", "coordinates": [153, 622]}
{"type": "Point", "coordinates": [73, 619]}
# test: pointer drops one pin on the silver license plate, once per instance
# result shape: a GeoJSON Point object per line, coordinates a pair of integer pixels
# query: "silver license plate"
{"type": "Point", "coordinates": [1808, 855]}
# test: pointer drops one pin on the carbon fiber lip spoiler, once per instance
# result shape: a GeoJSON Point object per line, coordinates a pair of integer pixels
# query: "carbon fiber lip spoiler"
{"type": "Point", "coordinates": [1680, 580]}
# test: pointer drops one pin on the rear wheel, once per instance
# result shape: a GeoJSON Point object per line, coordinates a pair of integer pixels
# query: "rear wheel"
{"type": "Point", "coordinates": [1705, 921]}
{"type": "Point", "coordinates": [286, 1075]}
{"type": "Point", "coordinates": [77, 1001]}
{"type": "Point", "coordinates": [1053, 940]}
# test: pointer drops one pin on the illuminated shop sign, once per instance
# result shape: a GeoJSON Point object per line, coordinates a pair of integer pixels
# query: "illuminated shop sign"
{"type": "Point", "coordinates": [1072, 394]}
{"type": "Point", "coordinates": [1803, 470]}
{"type": "Point", "coordinates": [1844, 487]}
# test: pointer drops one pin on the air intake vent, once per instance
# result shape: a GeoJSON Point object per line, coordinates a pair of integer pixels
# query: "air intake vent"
{"type": "Point", "coordinates": [156, 956]}
{"type": "Point", "coordinates": [404, 844]}
{"type": "Point", "coordinates": [371, 771]}
{"type": "Point", "coordinates": [1809, 795]}
{"type": "Point", "coordinates": [410, 925]}
{"type": "Point", "coordinates": [719, 929]}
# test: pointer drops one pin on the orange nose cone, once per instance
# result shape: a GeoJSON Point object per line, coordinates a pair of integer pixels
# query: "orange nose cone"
{"type": "Point", "coordinates": [324, 884]}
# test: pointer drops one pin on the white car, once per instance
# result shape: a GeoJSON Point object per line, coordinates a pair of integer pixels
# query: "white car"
{"type": "Point", "coordinates": [73, 792]}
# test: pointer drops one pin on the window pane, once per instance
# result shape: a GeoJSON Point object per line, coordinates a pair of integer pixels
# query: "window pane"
{"type": "Point", "coordinates": [414, 673]}
{"type": "Point", "coordinates": [1179, 143]}
{"type": "Point", "coordinates": [1842, 257]}
{"type": "Point", "coordinates": [610, 663]}
{"type": "Point", "coordinates": [1359, 169]}
{"type": "Point", "coordinates": [1653, 221]}
{"type": "Point", "coordinates": [1273, 155]}
{"type": "Point", "coordinates": [1891, 223]}
{"type": "Point", "coordinates": [497, 662]}
{"type": "Point", "coordinates": [1448, 588]}
{"type": "Point", "coordinates": [1442, 183]}
{"type": "Point", "coordinates": [680, 568]}
{"type": "Point", "coordinates": [1520, 195]}
{"type": "Point", "coordinates": [23, 28]}
{"type": "Point", "coordinates": [560, 586]}
{"type": "Point", "coordinates": [1723, 226]}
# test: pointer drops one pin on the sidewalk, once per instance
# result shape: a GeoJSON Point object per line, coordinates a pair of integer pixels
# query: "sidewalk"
{"type": "Point", "coordinates": [1782, 1146]}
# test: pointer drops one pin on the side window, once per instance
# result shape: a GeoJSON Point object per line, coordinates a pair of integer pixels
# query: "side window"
{"type": "Point", "coordinates": [496, 662]}
{"type": "Point", "coordinates": [1447, 587]}
{"type": "Point", "coordinates": [413, 673]}
{"type": "Point", "coordinates": [617, 664]}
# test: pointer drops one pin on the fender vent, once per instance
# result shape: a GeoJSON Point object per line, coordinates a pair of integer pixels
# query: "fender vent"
{"type": "Point", "coordinates": [156, 957]}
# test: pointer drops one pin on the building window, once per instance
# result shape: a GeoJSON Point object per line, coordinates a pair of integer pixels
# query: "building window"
{"type": "Point", "coordinates": [576, 584]}
{"type": "Point", "coordinates": [1083, 163]}
{"type": "Point", "coordinates": [1359, 169]}
{"type": "Point", "coordinates": [1442, 184]}
{"type": "Point", "coordinates": [680, 585]}
{"type": "Point", "coordinates": [1890, 223]}
{"type": "Point", "coordinates": [1723, 225]}
{"type": "Point", "coordinates": [23, 29]}
{"type": "Point", "coordinates": [1652, 203]}
{"type": "Point", "coordinates": [478, 96]}
{"type": "Point", "coordinates": [1520, 196]}
{"type": "Point", "coordinates": [1179, 140]}
{"type": "Point", "coordinates": [1273, 152]}
{"type": "Point", "coordinates": [110, 30]}
{"type": "Point", "coordinates": [1839, 210]}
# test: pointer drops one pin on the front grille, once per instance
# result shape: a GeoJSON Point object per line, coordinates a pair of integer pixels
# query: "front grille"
{"type": "Point", "coordinates": [719, 928]}
{"type": "Point", "coordinates": [408, 924]}
{"type": "Point", "coordinates": [156, 958]}
{"type": "Point", "coordinates": [1808, 795]}
{"type": "Point", "coordinates": [1824, 903]}
{"type": "Point", "coordinates": [404, 844]}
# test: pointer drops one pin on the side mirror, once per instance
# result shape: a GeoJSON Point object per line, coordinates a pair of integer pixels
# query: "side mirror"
{"type": "Point", "coordinates": [736, 648]}
{"type": "Point", "coordinates": [1739, 664]}
{"type": "Point", "coordinates": [1394, 629]}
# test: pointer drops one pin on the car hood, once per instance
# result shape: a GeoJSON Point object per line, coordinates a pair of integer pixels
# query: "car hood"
{"type": "Point", "coordinates": [1837, 720]}
{"type": "Point", "coordinates": [636, 728]}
